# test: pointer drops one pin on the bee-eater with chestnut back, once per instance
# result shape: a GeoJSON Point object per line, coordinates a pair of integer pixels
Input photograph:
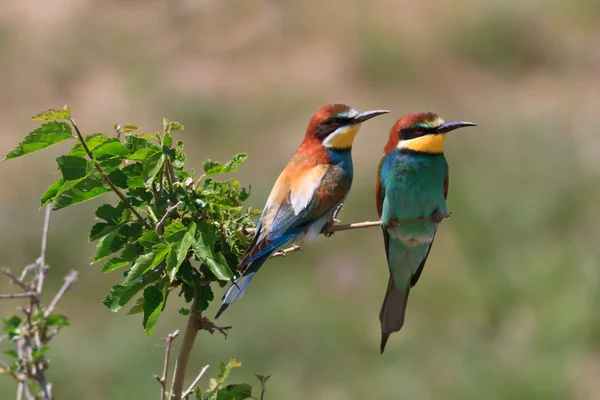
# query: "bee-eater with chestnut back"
{"type": "Point", "coordinates": [308, 191]}
{"type": "Point", "coordinates": [412, 184]}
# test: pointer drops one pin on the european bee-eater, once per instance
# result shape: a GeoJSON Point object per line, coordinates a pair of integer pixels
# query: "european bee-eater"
{"type": "Point", "coordinates": [308, 191]}
{"type": "Point", "coordinates": [412, 184]}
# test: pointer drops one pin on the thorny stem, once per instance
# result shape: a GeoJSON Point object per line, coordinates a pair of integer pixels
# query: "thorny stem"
{"type": "Point", "coordinates": [106, 178]}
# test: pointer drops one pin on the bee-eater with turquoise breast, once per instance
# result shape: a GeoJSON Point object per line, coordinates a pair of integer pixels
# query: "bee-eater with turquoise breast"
{"type": "Point", "coordinates": [308, 191]}
{"type": "Point", "coordinates": [412, 184]}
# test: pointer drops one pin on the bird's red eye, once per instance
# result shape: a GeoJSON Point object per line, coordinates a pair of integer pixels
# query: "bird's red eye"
{"type": "Point", "coordinates": [419, 131]}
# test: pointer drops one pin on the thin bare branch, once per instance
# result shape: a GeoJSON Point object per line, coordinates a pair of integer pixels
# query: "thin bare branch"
{"type": "Point", "coordinates": [285, 252]}
{"type": "Point", "coordinates": [106, 178]}
{"type": "Point", "coordinates": [17, 295]}
{"type": "Point", "coordinates": [193, 385]}
{"type": "Point", "coordinates": [163, 379]}
{"type": "Point", "coordinates": [170, 209]}
{"type": "Point", "coordinates": [42, 260]}
{"type": "Point", "coordinates": [70, 279]}
{"type": "Point", "coordinates": [15, 279]}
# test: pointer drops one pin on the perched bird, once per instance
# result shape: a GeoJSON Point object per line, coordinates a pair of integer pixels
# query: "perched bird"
{"type": "Point", "coordinates": [308, 191]}
{"type": "Point", "coordinates": [411, 190]}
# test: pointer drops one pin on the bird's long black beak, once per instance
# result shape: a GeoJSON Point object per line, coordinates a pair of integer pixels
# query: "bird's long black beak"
{"type": "Point", "coordinates": [363, 116]}
{"type": "Point", "coordinates": [452, 125]}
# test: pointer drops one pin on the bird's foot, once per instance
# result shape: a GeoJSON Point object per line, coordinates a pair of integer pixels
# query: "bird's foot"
{"type": "Point", "coordinates": [208, 325]}
{"type": "Point", "coordinates": [438, 216]}
{"type": "Point", "coordinates": [326, 231]}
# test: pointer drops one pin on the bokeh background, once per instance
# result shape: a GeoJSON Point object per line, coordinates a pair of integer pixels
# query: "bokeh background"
{"type": "Point", "coordinates": [508, 305]}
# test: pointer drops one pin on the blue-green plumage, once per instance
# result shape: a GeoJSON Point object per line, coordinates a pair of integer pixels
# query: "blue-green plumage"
{"type": "Point", "coordinates": [412, 185]}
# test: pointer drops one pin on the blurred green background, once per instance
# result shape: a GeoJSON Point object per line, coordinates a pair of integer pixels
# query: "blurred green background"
{"type": "Point", "coordinates": [508, 304]}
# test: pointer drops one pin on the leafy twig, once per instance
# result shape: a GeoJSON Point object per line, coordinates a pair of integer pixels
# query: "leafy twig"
{"type": "Point", "coordinates": [106, 178]}
{"type": "Point", "coordinates": [163, 379]}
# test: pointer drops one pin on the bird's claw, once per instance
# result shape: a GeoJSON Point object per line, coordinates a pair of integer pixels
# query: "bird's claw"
{"type": "Point", "coordinates": [439, 216]}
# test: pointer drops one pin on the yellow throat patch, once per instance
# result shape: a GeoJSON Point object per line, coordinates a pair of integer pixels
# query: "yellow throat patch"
{"type": "Point", "coordinates": [342, 138]}
{"type": "Point", "coordinates": [433, 144]}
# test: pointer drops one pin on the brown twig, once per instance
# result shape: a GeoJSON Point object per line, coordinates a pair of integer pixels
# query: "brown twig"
{"type": "Point", "coordinates": [106, 178]}
{"type": "Point", "coordinates": [285, 252]}
{"type": "Point", "coordinates": [17, 295]}
{"type": "Point", "coordinates": [163, 379]}
{"type": "Point", "coordinates": [14, 279]}
{"type": "Point", "coordinates": [70, 279]}
{"type": "Point", "coordinates": [189, 337]}
{"type": "Point", "coordinates": [194, 383]}
{"type": "Point", "coordinates": [170, 209]}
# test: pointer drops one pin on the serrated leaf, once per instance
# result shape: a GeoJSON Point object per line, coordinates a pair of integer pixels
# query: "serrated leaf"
{"type": "Point", "coordinates": [152, 166]}
{"type": "Point", "coordinates": [215, 167]}
{"type": "Point", "coordinates": [167, 140]}
{"type": "Point", "coordinates": [239, 391]}
{"type": "Point", "coordinates": [179, 250]}
{"type": "Point", "coordinates": [129, 128]}
{"type": "Point", "coordinates": [133, 172]}
{"type": "Point", "coordinates": [92, 141]}
{"type": "Point", "coordinates": [112, 147]}
{"type": "Point", "coordinates": [174, 232]}
{"type": "Point", "coordinates": [138, 307]}
{"type": "Point", "coordinates": [119, 295]}
{"type": "Point", "coordinates": [225, 369]}
{"type": "Point", "coordinates": [46, 135]}
{"type": "Point", "coordinates": [53, 115]}
{"type": "Point", "coordinates": [172, 125]}
{"type": "Point", "coordinates": [204, 295]}
{"type": "Point", "coordinates": [51, 192]}
{"type": "Point", "coordinates": [147, 262]}
{"type": "Point", "coordinates": [109, 244]}
{"type": "Point", "coordinates": [154, 299]}
{"type": "Point", "coordinates": [79, 190]}
{"type": "Point", "coordinates": [101, 229]}
{"type": "Point", "coordinates": [113, 263]}
{"type": "Point", "coordinates": [72, 167]}
{"type": "Point", "coordinates": [11, 353]}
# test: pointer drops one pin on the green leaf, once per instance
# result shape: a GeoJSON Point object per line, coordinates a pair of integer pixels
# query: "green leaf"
{"type": "Point", "coordinates": [92, 141]}
{"type": "Point", "coordinates": [114, 263]}
{"type": "Point", "coordinates": [129, 128]}
{"type": "Point", "coordinates": [149, 239]}
{"type": "Point", "coordinates": [154, 299]}
{"type": "Point", "coordinates": [172, 125]}
{"type": "Point", "coordinates": [79, 190]}
{"type": "Point", "coordinates": [167, 140]}
{"type": "Point", "coordinates": [139, 147]}
{"type": "Point", "coordinates": [53, 115]}
{"type": "Point", "coordinates": [203, 248]}
{"type": "Point", "coordinates": [50, 193]}
{"type": "Point", "coordinates": [119, 295]}
{"type": "Point", "coordinates": [138, 307]}
{"type": "Point", "coordinates": [112, 147]}
{"type": "Point", "coordinates": [147, 262]}
{"type": "Point", "coordinates": [39, 352]}
{"type": "Point", "coordinates": [204, 295]}
{"type": "Point", "coordinates": [101, 229]}
{"type": "Point", "coordinates": [174, 232]}
{"type": "Point", "coordinates": [11, 353]}
{"type": "Point", "coordinates": [215, 167]}
{"type": "Point", "coordinates": [72, 167]}
{"type": "Point", "coordinates": [113, 215]}
{"type": "Point", "coordinates": [109, 244]}
{"type": "Point", "coordinates": [58, 320]}
{"type": "Point", "coordinates": [184, 311]}
{"type": "Point", "coordinates": [133, 172]}
{"type": "Point", "coordinates": [179, 250]}
{"type": "Point", "coordinates": [12, 326]}
{"type": "Point", "coordinates": [46, 135]}
{"type": "Point", "coordinates": [239, 391]}
{"type": "Point", "coordinates": [152, 166]}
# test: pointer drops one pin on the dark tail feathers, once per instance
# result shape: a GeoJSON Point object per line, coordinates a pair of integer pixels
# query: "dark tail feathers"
{"type": "Point", "coordinates": [239, 286]}
{"type": "Point", "coordinates": [392, 311]}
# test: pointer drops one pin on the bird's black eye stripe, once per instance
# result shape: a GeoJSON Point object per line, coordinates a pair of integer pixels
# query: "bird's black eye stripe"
{"type": "Point", "coordinates": [415, 132]}
{"type": "Point", "coordinates": [337, 120]}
